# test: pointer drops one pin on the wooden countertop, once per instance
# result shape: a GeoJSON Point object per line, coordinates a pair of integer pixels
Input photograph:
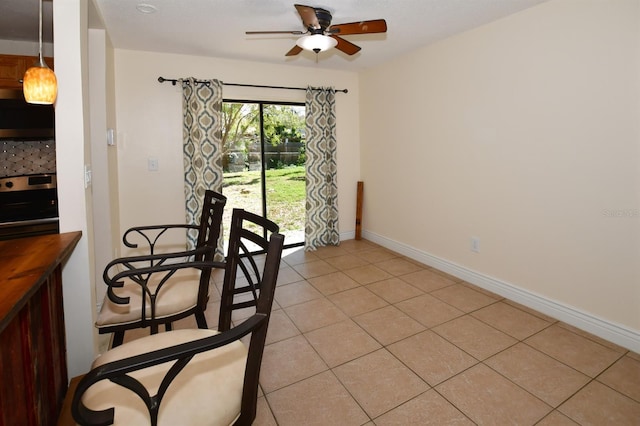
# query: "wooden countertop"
{"type": "Point", "coordinates": [25, 263]}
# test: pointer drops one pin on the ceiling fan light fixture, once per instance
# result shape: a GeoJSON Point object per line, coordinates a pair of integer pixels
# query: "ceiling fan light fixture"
{"type": "Point", "coordinates": [316, 42]}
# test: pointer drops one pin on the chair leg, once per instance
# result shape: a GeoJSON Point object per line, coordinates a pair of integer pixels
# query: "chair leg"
{"type": "Point", "coordinates": [201, 320]}
{"type": "Point", "coordinates": [118, 338]}
{"type": "Point", "coordinates": [168, 326]}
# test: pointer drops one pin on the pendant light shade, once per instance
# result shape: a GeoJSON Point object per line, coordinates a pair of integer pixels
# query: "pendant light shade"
{"type": "Point", "coordinates": [39, 84]}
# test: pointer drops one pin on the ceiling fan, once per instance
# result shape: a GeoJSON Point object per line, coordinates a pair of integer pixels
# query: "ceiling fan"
{"type": "Point", "coordinates": [321, 35]}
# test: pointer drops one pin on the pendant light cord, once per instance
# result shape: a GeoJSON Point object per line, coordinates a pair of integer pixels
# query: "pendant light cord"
{"type": "Point", "coordinates": [40, 36]}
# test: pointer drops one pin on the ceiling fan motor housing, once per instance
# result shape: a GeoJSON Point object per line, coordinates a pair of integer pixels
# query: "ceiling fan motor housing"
{"type": "Point", "coordinates": [324, 19]}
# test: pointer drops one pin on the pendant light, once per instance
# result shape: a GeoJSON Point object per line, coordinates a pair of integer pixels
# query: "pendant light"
{"type": "Point", "coordinates": [39, 84]}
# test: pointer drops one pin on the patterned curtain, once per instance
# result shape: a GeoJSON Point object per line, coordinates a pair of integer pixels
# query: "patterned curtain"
{"type": "Point", "coordinates": [321, 222]}
{"type": "Point", "coordinates": [201, 132]}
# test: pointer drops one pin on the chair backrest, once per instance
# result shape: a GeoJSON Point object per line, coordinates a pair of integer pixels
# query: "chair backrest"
{"type": "Point", "coordinates": [263, 304]}
{"type": "Point", "coordinates": [248, 241]}
{"type": "Point", "coordinates": [210, 228]}
{"type": "Point", "coordinates": [247, 285]}
{"type": "Point", "coordinates": [210, 221]}
{"type": "Point", "coordinates": [148, 239]}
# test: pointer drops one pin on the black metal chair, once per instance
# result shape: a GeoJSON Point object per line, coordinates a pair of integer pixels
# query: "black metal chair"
{"type": "Point", "coordinates": [194, 376]}
{"type": "Point", "coordinates": [139, 296]}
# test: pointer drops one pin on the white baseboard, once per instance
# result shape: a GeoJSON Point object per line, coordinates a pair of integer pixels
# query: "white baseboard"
{"type": "Point", "coordinates": [349, 235]}
{"type": "Point", "coordinates": [607, 330]}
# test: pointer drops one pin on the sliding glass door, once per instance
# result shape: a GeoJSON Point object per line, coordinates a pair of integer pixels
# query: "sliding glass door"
{"type": "Point", "coordinates": [264, 163]}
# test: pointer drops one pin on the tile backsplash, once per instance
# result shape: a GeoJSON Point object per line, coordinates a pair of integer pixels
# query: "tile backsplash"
{"type": "Point", "coordinates": [27, 157]}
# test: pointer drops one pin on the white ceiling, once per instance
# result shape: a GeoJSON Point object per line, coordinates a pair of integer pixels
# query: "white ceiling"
{"type": "Point", "coordinates": [217, 27]}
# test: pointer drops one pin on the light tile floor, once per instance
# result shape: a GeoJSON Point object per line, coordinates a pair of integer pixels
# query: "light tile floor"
{"type": "Point", "coordinates": [360, 335]}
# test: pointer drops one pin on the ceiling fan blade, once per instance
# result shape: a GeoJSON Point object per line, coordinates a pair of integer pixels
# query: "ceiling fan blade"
{"type": "Point", "coordinates": [275, 32]}
{"type": "Point", "coordinates": [308, 15]}
{"type": "Point", "coordinates": [294, 51]}
{"type": "Point", "coordinates": [363, 27]}
{"type": "Point", "coordinates": [346, 46]}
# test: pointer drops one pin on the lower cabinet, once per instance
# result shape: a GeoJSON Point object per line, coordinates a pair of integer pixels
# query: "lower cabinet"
{"type": "Point", "coordinates": [33, 365]}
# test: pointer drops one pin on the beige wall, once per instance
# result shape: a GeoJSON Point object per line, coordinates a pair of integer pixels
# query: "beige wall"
{"type": "Point", "coordinates": [149, 124]}
{"type": "Point", "coordinates": [523, 133]}
{"type": "Point", "coordinates": [73, 151]}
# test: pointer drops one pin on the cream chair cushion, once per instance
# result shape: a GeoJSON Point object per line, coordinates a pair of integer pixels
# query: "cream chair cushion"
{"type": "Point", "coordinates": [207, 392]}
{"type": "Point", "coordinates": [178, 294]}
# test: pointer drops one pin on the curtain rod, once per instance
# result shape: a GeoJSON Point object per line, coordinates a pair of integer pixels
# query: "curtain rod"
{"type": "Point", "coordinates": [175, 81]}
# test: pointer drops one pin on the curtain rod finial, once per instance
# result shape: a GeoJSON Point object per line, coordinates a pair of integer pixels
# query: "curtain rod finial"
{"type": "Point", "coordinates": [162, 80]}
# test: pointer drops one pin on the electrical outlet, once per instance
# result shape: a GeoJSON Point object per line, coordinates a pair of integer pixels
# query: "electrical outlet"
{"type": "Point", "coordinates": [475, 244]}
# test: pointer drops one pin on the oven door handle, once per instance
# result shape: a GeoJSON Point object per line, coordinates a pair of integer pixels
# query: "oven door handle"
{"type": "Point", "coordinates": [28, 222]}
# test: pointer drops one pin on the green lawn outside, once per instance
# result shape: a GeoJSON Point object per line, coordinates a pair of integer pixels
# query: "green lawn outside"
{"type": "Point", "coordinates": [285, 195]}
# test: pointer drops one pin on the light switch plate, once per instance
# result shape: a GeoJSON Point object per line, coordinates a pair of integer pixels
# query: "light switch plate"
{"type": "Point", "coordinates": [111, 138]}
{"type": "Point", "coordinates": [87, 176]}
{"type": "Point", "coordinates": [152, 164]}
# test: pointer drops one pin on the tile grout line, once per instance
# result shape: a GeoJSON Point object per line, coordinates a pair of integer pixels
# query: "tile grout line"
{"type": "Point", "coordinates": [469, 314]}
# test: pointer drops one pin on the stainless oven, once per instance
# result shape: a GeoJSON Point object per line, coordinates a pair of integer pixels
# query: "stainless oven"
{"type": "Point", "coordinates": [28, 206]}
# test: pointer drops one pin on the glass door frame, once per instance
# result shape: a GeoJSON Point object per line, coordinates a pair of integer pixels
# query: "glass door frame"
{"type": "Point", "coordinates": [263, 168]}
